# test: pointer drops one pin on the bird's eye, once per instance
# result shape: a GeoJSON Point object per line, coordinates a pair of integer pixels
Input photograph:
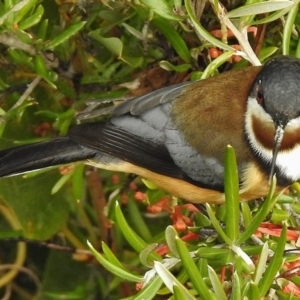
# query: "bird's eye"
{"type": "Point", "coordinates": [259, 95]}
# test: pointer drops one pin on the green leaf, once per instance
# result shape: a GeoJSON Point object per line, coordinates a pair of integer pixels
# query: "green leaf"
{"type": "Point", "coordinates": [65, 35]}
{"type": "Point", "coordinates": [139, 222]}
{"type": "Point", "coordinates": [274, 266]}
{"type": "Point", "coordinates": [115, 45]}
{"type": "Point", "coordinates": [216, 224]}
{"type": "Point", "coordinates": [171, 234]}
{"type": "Point", "coordinates": [259, 8]}
{"type": "Point", "coordinates": [252, 291]}
{"type": "Point", "coordinates": [161, 8]}
{"type": "Point", "coordinates": [216, 284]}
{"type": "Point", "coordinates": [231, 195]}
{"type": "Point", "coordinates": [199, 29]}
{"type": "Point", "coordinates": [145, 254]}
{"type": "Point", "coordinates": [263, 211]}
{"type": "Point", "coordinates": [115, 269]}
{"type": "Point", "coordinates": [40, 213]}
{"type": "Point", "coordinates": [41, 69]}
{"type": "Point", "coordinates": [216, 63]}
{"type": "Point", "coordinates": [149, 291]}
{"type": "Point", "coordinates": [132, 238]}
{"type": "Point", "coordinates": [170, 280]}
{"type": "Point", "coordinates": [270, 17]}
{"type": "Point", "coordinates": [24, 10]}
{"type": "Point", "coordinates": [170, 67]}
{"type": "Point", "coordinates": [178, 292]}
{"type": "Point", "coordinates": [61, 182]}
{"type": "Point", "coordinates": [42, 32]}
{"type": "Point", "coordinates": [109, 255]}
{"type": "Point", "coordinates": [16, 8]}
{"type": "Point", "coordinates": [262, 264]}
{"type": "Point", "coordinates": [287, 29]}
{"type": "Point", "coordinates": [173, 37]}
{"type": "Point", "coordinates": [193, 271]}
{"type": "Point", "coordinates": [236, 287]}
{"type": "Point", "coordinates": [33, 19]}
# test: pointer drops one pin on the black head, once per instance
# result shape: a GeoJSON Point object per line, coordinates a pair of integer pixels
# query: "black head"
{"type": "Point", "coordinates": [276, 90]}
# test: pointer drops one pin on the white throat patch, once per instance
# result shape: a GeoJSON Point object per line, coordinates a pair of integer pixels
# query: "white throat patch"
{"type": "Point", "coordinates": [287, 161]}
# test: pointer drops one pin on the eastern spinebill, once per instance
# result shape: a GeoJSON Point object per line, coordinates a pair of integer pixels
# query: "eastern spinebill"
{"type": "Point", "coordinates": [176, 136]}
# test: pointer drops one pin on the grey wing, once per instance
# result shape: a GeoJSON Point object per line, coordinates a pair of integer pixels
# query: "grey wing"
{"type": "Point", "coordinates": [137, 106]}
{"type": "Point", "coordinates": [148, 117]}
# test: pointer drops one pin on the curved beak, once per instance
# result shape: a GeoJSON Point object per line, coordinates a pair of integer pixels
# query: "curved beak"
{"type": "Point", "coordinates": [279, 131]}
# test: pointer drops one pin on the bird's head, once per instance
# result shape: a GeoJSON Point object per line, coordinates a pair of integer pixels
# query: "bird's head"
{"type": "Point", "coordinates": [273, 117]}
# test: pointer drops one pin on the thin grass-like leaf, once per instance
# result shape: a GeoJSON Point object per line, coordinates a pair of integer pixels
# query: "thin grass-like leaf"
{"type": "Point", "coordinates": [231, 195]}
{"type": "Point", "coordinates": [193, 271]}
{"type": "Point", "coordinates": [170, 280]}
{"type": "Point", "coordinates": [287, 29]}
{"type": "Point", "coordinates": [65, 35]}
{"type": "Point", "coordinates": [236, 288]}
{"type": "Point", "coordinates": [170, 234]}
{"type": "Point", "coordinates": [274, 266]}
{"type": "Point", "coordinates": [259, 8]}
{"type": "Point", "coordinates": [261, 214]}
{"type": "Point", "coordinates": [216, 284]}
{"type": "Point", "coordinates": [216, 225]}
{"type": "Point", "coordinates": [202, 32]}
{"type": "Point", "coordinates": [115, 269]}
{"type": "Point", "coordinates": [262, 263]}
{"type": "Point", "coordinates": [132, 238]}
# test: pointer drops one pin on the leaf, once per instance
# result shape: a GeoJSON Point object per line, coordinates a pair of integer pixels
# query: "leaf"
{"type": "Point", "coordinates": [174, 38]}
{"type": "Point", "coordinates": [259, 8]}
{"type": "Point", "coordinates": [216, 284]}
{"type": "Point", "coordinates": [263, 211]}
{"type": "Point", "coordinates": [231, 195]}
{"type": "Point", "coordinates": [15, 8]}
{"type": "Point", "coordinates": [274, 266]}
{"type": "Point", "coordinates": [40, 213]}
{"type": "Point", "coordinates": [65, 35]}
{"type": "Point", "coordinates": [111, 267]}
{"type": "Point", "coordinates": [150, 290]}
{"type": "Point", "coordinates": [193, 271]}
{"type": "Point", "coordinates": [199, 29]}
{"type": "Point", "coordinates": [161, 8]}
{"type": "Point", "coordinates": [216, 63]}
{"type": "Point", "coordinates": [132, 238]}
{"type": "Point", "coordinates": [170, 280]}
{"type": "Point", "coordinates": [115, 45]}
{"type": "Point", "coordinates": [33, 19]}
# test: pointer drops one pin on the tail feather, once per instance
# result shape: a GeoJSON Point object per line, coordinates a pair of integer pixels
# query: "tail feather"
{"type": "Point", "coordinates": [41, 155]}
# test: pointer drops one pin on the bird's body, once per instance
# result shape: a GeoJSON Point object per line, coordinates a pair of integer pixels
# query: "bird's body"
{"type": "Point", "coordinates": [176, 137]}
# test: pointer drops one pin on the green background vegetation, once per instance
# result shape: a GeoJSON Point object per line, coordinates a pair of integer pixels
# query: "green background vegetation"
{"type": "Point", "coordinates": [56, 58]}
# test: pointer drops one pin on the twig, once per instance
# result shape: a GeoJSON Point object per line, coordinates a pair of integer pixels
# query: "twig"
{"type": "Point", "coordinates": [28, 91]}
{"type": "Point", "coordinates": [240, 36]}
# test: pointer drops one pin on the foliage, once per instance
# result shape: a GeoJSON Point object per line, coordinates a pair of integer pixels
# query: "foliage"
{"type": "Point", "coordinates": [68, 61]}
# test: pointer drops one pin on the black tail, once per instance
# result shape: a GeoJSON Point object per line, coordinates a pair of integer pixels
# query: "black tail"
{"type": "Point", "coordinates": [41, 155]}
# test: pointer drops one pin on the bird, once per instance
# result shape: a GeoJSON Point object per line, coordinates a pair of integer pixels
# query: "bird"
{"type": "Point", "coordinates": [176, 137]}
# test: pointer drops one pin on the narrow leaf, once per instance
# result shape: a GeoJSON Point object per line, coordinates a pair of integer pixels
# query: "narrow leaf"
{"type": "Point", "coordinates": [275, 264]}
{"type": "Point", "coordinates": [170, 280]}
{"type": "Point", "coordinates": [193, 271]}
{"type": "Point", "coordinates": [259, 8]}
{"type": "Point", "coordinates": [113, 268]}
{"type": "Point", "coordinates": [231, 195]}
{"type": "Point", "coordinates": [202, 32]}
{"type": "Point", "coordinates": [216, 283]}
{"type": "Point", "coordinates": [173, 37]}
{"type": "Point", "coordinates": [137, 243]}
{"type": "Point", "coordinates": [216, 224]}
{"type": "Point", "coordinates": [65, 35]}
